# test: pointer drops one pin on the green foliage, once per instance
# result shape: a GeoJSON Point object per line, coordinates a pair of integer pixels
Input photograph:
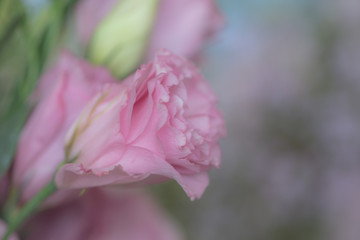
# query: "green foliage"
{"type": "Point", "coordinates": [35, 38]}
{"type": "Point", "coordinates": [9, 132]}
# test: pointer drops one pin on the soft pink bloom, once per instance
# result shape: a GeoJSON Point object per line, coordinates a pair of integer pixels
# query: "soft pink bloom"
{"type": "Point", "coordinates": [89, 14]}
{"type": "Point", "coordinates": [182, 26]}
{"type": "Point", "coordinates": [62, 94]}
{"type": "Point", "coordinates": [161, 122]}
{"type": "Point", "coordinates": [3, 229]}
{"type": "Point", "coordinates": [104, 215]}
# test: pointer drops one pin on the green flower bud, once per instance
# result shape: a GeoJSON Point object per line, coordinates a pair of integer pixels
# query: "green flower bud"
{"type": "Point", "coordinates": [120, 40]}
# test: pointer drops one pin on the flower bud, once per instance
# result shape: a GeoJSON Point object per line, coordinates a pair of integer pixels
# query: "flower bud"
{"type": "Point", "coordinates": [62, 93]}
{"type": "Point", "coordinates": [120, 40]}
{"type": "Point", "coordinates": [182, 26]}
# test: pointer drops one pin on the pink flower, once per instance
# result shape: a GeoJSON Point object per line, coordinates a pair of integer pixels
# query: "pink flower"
{"type": "Point", "coordinates": [159, 123]}
{"type": "Point", "coordinates": [182, 26]}
{"type": "Point", "coordinates": [104, 215]}
{"type": "Point", "coordinates": [3, 229]}
{"type": "Point", "coordinates": [63, 92]}
{"type": "Point", "coordinates": [89, 14]}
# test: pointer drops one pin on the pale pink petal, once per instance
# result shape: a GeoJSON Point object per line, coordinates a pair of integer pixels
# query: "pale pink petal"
{"type": "Point", "coordinates": [106, 215]}
{"type": "Point", "coordinates": [3, 229]}
{"type": "Point", "coordinates": [89, 14]}
{"type": "Point", "coordinates": [183, 26]}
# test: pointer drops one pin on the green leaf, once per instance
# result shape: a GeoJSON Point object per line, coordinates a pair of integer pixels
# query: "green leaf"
{"type": "Point", "coordinates": [9, 132]}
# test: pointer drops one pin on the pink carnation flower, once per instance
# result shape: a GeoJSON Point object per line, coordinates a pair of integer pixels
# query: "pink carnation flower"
{"type": "Point", "coordinates": [159, 123]}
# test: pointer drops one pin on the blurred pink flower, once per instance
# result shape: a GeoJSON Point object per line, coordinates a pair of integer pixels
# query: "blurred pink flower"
{"type": "Point", "coordinates": [89, 14]}
{"type": "Point", "coordinates": [181, 26]}
{"type": "Point", "coordinates": [105, 215]}
{"type": "Point", "coordinates": [3, 229]}
{"type": "Point", "coordinates": [159, 123]}
{"type": "Point", "coordinates": [184, 26]}
{"type": "Point", "coordinates": [62, 93]}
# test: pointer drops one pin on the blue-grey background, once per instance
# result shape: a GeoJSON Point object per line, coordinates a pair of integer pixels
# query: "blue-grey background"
{"type": "Point", "coordinates": [287, 73]}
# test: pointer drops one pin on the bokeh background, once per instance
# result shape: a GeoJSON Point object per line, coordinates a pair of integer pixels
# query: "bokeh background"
{"type": "Point", "coordinates": [287, 73]}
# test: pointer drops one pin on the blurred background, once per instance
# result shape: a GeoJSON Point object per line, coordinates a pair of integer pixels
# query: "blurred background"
{"type": "Point", "coordinates": [287, 73]}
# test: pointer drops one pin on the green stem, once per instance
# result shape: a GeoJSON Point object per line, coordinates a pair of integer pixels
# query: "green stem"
{"type": "Point", "coordinates": [29, 208]}
{"type": "Point", "coordinates": [11, 203]}
{"type": "Point", "coordinates": [19, 216]}
{"type": "Point", "coordinates": [33, 70]}
{"type": "Point", "coordinates": [53, 31]}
